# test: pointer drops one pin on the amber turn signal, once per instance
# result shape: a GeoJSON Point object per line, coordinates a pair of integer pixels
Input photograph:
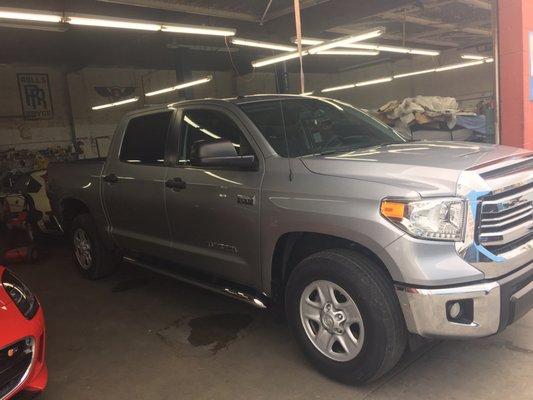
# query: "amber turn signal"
{"type": "Point", "coordinates": [392, 209]}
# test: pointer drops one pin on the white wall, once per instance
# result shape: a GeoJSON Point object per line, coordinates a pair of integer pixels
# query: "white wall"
{"type": "Point", "coordinates": [469, 83]}
{"type": "Point", "coordinates": [15, 131]}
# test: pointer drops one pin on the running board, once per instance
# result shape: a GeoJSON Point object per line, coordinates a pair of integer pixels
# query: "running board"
{"type": "Point", "coordinates": [224, 288]}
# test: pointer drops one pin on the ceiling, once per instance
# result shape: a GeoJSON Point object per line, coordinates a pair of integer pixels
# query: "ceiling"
{"type": "Point", "coordinates": [432, 24]}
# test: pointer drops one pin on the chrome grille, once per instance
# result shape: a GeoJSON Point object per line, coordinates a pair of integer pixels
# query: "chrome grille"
{"type": "Point", "coordinates": [506, 218]}
{"type": "Point", "coordinates": [15, 363]}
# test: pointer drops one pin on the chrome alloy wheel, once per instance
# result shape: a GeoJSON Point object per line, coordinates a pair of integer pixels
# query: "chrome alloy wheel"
{"type": "Point", "coordinates": [332, 320]}
{"type": "Point", "coordinates": [82, 249]}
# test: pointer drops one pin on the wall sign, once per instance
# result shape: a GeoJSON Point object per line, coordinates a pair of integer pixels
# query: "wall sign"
{"type": "Point", "coordinates": [115, 93]}
{"type": "Point", "coordinates": [35, 96]}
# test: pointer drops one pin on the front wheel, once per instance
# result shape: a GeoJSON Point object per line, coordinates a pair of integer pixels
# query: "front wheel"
{"type": "Point", "coordinates": [92, 258]}
{"type": "Point", "coordinates": [345, 315]}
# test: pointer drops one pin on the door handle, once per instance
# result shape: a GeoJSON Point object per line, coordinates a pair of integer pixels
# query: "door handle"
{"type": "Point", "coordinates": [176, 184]}
{"type": "Point", "coordinates": [110, 178]}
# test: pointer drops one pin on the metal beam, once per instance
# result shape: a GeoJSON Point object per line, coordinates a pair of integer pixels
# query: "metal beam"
{"type": "Point", "coordinates": [398, 37]}
{"type": "Point", "coordinates": [289, 10]}
{"type": "Point", "coordinates": [484, 5]}
{"type": "Point", "coordinates": [187, 8]}
{"type": "Point", "coordinates": [437, 24]}
{"type": "Point", "coordinates": [324, 16]}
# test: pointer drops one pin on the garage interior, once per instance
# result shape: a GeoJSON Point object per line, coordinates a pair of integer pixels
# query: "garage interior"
{"type": "Point", "coordinates": [138, 335]}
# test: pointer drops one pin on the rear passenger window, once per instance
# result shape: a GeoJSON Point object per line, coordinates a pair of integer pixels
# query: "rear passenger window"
{"type": "Point", "coordinates": [145, 137]}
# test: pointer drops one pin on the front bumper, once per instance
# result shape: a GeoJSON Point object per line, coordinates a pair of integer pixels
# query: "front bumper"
{"type": "Point", "coordinates": [485, 308]}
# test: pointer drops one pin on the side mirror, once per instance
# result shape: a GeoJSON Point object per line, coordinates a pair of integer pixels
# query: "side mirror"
{"type": "Point", "coordinates": [219, 153]}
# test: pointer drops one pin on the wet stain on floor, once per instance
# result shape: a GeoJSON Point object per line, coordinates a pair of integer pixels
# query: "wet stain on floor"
{"type": "Point", "coordinates": [130, 284]}
{"type": "Point", "coordinates": [217, 329]}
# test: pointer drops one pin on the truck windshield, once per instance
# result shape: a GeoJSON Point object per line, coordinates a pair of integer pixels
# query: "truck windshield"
{"type": "Point", "coordinates": [309, 126]}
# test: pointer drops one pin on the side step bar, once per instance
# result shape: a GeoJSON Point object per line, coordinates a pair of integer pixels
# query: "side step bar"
{"type": "Point", "coordinates": [224, 288]}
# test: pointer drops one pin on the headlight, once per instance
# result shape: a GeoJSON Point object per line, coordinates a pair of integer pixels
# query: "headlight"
{"type": "Point", "coordinates": [436, 219]}
{"type": "Point", "coordinates": [20, 294]}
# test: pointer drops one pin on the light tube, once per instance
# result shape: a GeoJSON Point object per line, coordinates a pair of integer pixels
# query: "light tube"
{"type": "Point", "coordinates": [112, 23]}
{"type": "Point", "coordinates": [334, 88]}
{"type": "Point", "coordinates": [318, 48]}
{"type": "Point", "coordinates": [371, 46]}
{"type": "Point", "coordinates": [115, 104]}
{"type": "Point", "coordinates": [349, 52]}
{"type": "Point", "coordinates": [180, 86]}
{"type": "Point", "coordinates": [425, 71]}
{"type": "Point", "coordinates": [374, 81]}
{"type": "Point", "coordinates": [276, 59]}
{"type": "Point", "coordinates": [460, 65]}
{"type": "Point", "coordinates": [262, 45]}
{"type": "Point", "coordinates": [198, 30]}
{"type": "Point", "coordinates": [345, 40]}
{"type": "Point", "coordinates": [30, 16]}
{"type": "Point", "coordinates": [472, 57]}
{"type": "Point", "coordinates": [423, 52]}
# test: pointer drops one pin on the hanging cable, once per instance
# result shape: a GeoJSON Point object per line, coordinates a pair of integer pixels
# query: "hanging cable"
{"type": "Point", "coordinates": [235, 67]}
{"type": "Point", "coordinates": [298, 22]}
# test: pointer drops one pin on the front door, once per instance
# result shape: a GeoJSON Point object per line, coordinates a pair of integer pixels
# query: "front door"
{"type": "Point", "coordinates": [133, 185]}
{"type": "Point", "coordinates": [213, 212]}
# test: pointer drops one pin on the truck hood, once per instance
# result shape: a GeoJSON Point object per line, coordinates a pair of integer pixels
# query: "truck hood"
{"type": "Point", "coordinates": [429, 168]}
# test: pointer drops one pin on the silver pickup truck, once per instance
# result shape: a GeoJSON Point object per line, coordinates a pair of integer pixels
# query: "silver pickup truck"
{"type": "Point", "coordinates": [312, 206]}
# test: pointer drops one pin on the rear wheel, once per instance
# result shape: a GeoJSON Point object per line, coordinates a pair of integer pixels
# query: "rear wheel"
{"type": "Point", "coordinates": [92, 258]}
{"type": "Point", "coordinates": [345, 315]}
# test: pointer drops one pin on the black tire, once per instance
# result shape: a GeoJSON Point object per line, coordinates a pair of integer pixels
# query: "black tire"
{"type": "Point", "coordinates": [102, 263]}
{"type": "Point", "coordinates": [385, 334]}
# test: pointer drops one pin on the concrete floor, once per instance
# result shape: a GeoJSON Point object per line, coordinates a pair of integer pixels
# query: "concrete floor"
{"type": "Point", "coordinates": [137, 335]}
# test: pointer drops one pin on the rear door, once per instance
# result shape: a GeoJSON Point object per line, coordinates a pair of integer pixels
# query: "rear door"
{"type": "Point", "coordinates": [133, 184]}
{"type": "Point", "coordinates": [214, 216]}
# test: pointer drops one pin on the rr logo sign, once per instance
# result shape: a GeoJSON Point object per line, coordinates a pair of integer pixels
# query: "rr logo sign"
{"type": "Point", "coordinates": [35, 96]}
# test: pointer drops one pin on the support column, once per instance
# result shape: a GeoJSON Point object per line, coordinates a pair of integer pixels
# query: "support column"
{"type": "Point", "coordinates": [183, 71]}
{"type": "Point", "coordinates": [282, 78]}
{"type": "Point", "coordinates": [515, 21]}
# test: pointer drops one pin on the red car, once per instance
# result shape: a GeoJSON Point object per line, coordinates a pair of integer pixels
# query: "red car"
{"type": "Point", "coordinates": [22, 365]}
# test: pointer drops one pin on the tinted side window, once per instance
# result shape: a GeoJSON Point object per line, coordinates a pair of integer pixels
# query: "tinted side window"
{"type": "Point", "coordinates": [210, 125]}
{"type": "Point", "coordinates": [144, 140]}
{"type": "Point", "coordinates": [267, 116]}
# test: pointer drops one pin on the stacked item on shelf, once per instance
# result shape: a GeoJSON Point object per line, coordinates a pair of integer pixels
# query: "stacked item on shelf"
{"type": "Point", "coordinates": [433, 118]}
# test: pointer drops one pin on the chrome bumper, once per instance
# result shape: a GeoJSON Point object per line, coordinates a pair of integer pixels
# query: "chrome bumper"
{"type": "Point", "coordinates": [489, 306]}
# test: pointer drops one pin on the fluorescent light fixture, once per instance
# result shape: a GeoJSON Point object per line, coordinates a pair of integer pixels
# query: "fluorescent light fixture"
{"type": "Point", "coordinates": [113, 23]}
{"type": "Point", "coordinates": [343, 87]}
{"type": "Point", "coordinates": [317, 49]}
{"type": "Point", "coordinates": [198, 30]}
{"type": "Point", "coordinates": [393, 49]}
{"type": "Point", "coordinates": [398, 76]}
{"type": "Point", "coordinates": [276, 59]}
{"type": "Point", "coordinates": [422, 52]}
{"type": "Point", "coordinates": [349, 52]}
{"type": "Point", "coordinates": [180, 86]}
{"type": "Point", "coordinates": [209, 133]}
{"type": "Point", "coordinates": [472, 57]}
{"type": "Point", "coordinates": [375, 47]}
{"type": "Point", "coordinates": [425, 71]}
{"type": "Point", "coordinates": [29, 16]}
{"type": "Point", "coordinates": [374, 81]}
{"type": "Point", "coordinates": [120, 23]}
{"type": "Point", "coordinates": [345, 40]}
{"type": "Point", "coordinates": [116, 104]}
{"type": "Point", "coordinates": [262, 45]}
{"type": "Point", "coordinates": [460, 65]}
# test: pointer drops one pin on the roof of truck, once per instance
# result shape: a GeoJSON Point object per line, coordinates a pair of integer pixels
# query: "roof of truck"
{"type": "Point", "coordinates": [232, 100]}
